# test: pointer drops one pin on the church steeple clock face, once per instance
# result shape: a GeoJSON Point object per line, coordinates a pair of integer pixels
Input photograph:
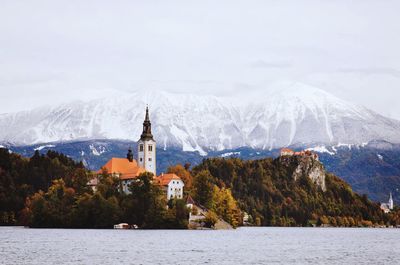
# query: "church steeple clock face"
{"type": "Point", "coordinates": [147, 147]}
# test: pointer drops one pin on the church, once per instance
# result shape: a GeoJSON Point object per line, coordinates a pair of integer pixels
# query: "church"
{"type": "Point", "coordinates": [128, 169]}
{"type": "Point", "coordinates": [388, 207]}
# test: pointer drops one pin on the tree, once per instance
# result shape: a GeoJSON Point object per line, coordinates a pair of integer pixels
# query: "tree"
{"type": "Point", "coordinates": [210, 219]}
{"type": "Point", "coordinates": [105, 212]}
{"type": "Point", "coordinates": [109, 185]}
{"type": "Point", "coordinates": [203, 188]}
{"type": "Point", "coordinates": [146, 205]}
{"type": "Point", "coordinates": [183, 173]}
{"type": "Point", "coordinates": [52, 209]}
{"type": "Point", "coordinates": [78, 181]}
{"type": "Point", "coordinates": [94, 211]}
{"type": "Point", "coordinates": [225, 206]}
{"type": "Point", "coordinates": [187, 166]}
{"type": "Point", "coordinates": [177, 215]}
{"type": "Point", "coordinates": [155, 213]}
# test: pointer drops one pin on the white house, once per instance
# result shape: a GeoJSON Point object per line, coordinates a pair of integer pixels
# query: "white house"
{"type": "Point", "coordinates": [172, 185]}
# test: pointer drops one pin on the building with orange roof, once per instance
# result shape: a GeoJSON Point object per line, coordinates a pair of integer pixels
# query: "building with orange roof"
{"type": "Point", "coordinates": [125, 169]}
{"type": "Point", "coordinates": [128, 169]}
{"type": "Point", "coordinates": [287, 152]}
{"type": "Point", "coordinates": [172, 185]}
{"type": "Point", "coordinates": [290, 152]}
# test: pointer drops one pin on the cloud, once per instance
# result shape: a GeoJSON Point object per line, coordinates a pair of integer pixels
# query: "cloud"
{"type": "Point", "coordinates": [265, 64]}
{"type": "Point", "coordinates": [372, 71]}
{"type": "Point", "coordinates": [64, 50]}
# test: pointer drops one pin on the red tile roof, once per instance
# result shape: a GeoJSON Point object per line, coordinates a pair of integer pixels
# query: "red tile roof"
{"type": "Point", "coordinates": [287, 150]}
{"type": "Point", "coordinates": [123, 167]}
{"type": "Point", "coordinates": [165, 179]}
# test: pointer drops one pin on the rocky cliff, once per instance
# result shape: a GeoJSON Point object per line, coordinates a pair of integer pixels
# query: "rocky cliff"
{"type": "Point", "coordinates": [307, 166]}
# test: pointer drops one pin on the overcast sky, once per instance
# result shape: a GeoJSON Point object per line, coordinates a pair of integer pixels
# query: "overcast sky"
{"type": "Point", "coordinates": [56, 51]}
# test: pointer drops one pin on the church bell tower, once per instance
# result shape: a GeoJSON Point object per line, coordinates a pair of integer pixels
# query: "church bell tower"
{"type": "Point", "coordinates": [391, 204]}
{"type": "Point", "coordinates": [147, 147]}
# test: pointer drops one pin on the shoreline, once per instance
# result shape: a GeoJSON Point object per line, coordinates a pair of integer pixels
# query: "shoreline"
{"type": "Point", "coordinates": [202, 229]}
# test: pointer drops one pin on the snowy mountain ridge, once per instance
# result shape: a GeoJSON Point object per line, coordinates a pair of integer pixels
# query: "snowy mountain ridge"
{"type": "Point", "coordinates": [294, 115]}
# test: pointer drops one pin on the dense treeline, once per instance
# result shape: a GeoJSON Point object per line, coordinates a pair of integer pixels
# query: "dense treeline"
{"type": "Point", "coordinates": [63, 206]}
{"type": "Point", "coordinates": [21, 177]}
{"type": "Point", "coordinates": [267, 191]}
{"type": "Point", "coordinates": [50, 190]}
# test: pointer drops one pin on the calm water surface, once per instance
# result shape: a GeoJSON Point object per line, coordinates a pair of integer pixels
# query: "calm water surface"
{"type": "Point", "coordinates": [241, 246]}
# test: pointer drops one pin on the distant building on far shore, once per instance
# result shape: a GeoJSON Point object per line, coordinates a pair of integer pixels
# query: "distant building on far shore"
{"type": "Point", "coordinates": [387, 207]}
{"type": "Point", "coordinates": [287, 152]}
{"type": "Point", "coordinates": [307, 153]}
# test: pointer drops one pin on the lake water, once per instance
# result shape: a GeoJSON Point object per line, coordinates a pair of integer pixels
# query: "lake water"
{"type": "Point", "coordinates": [241, 246]}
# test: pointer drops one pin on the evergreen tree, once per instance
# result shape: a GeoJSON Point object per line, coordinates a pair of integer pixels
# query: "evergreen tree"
{"type": "Point", "coordinates": [203, 188]}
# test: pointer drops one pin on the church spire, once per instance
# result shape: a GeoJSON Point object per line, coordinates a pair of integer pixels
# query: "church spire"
{"type": "Point", "coordinates": [147, 147]}
{"type": "Point", "coordinates": [146, 134]}
{"type": "Point", "coordinates": [391, 204]}
{"type": "Point", "coordinates": [147, 114]}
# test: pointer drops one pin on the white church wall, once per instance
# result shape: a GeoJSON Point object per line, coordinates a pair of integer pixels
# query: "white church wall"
{"type": "Point", "coordinates": [147, 155]}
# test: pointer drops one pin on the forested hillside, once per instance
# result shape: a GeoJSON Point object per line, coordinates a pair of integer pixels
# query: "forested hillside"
{"type": "Point", "coordinates": [49, 190]}
{"type": "Point", "coordinates": [275, 194]}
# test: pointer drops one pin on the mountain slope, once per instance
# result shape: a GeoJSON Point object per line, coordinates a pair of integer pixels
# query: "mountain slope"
{"type": "Point", "coordinates": [295, 115]}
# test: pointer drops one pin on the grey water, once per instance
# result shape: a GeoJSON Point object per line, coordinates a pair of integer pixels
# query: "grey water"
{"type": "Point", "coordinates": [240, 246]}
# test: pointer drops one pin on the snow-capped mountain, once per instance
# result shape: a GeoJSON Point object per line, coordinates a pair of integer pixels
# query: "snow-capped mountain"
{"type": "Point", "coordinates": [295, 115]}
